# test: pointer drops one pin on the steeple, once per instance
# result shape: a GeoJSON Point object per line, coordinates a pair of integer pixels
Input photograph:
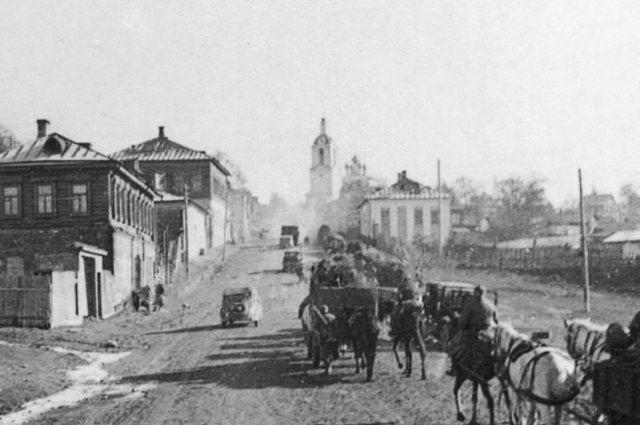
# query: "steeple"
{"type": "Point", "coordinates": [323, 126]}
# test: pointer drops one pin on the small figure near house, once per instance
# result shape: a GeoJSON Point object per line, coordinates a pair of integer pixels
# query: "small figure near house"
{"type": "Point", "coordinates": [300, 273]}
{"type": "Point", "coordinates": [158, 301]}
{"type": "Point", "coordinates": [145, 298]}
{"type": "Point", "coordinates": [306, 240]}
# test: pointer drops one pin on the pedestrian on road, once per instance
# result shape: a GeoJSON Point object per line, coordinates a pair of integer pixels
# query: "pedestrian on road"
{"type": "Point", "coordinates": [158, 301]}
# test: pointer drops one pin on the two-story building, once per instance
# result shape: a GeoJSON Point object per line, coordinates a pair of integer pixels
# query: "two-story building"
{"type": "Point", "coordinates": [173, 167]}
{"type": "Point", "coordinates": [79, 217]}
{"type": "Point", "coordinates": [406, 210]}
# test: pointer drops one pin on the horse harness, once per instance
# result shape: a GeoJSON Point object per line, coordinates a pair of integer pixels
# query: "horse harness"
{"type": "Point", "coordinates": [589, 347]}
{"type": "Point", "coordinates": [516, 350]}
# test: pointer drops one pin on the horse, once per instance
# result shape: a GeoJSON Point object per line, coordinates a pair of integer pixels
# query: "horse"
{"type": "Point", "coordinates": [363, 327]}
{"type": "Point", "coordinates": [545, 377]}
{"type": "Point", "coordinates": [410, 326]}
{"type": "Point", "coordinates": [586, 343]}
{"type": "Point", "coordinates": [477, 364]}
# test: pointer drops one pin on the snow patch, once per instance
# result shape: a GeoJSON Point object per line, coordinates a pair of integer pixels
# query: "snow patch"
{"type": "Point", "coordinates": [88, 380]}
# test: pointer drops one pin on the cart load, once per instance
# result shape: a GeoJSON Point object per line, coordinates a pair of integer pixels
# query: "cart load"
{"type": "Point", "coordinates": [616, 387]}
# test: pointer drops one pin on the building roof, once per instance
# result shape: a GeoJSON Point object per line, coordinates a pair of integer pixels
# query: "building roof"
{"type": "Point", "coordinates": [624, 236]}
{"type": "Point", "coordinates": [598, 199]}
{"type": "Point", "coordinates": [58, 149]}
{"type": "Point", "coordinates": [405, 188]}
{"type": "Point", "coordinates": [52, 148]}
{"type": "Point", "coordinates": [166, 198]}
{"type": "Point", "coordinates": [162, 148]}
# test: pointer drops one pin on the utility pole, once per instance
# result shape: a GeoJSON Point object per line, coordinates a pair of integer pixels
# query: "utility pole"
{"type": "Point", "coordinates": [440, 215]}
{"type": "Point", "coordinates": [186, 229]}
{"type": "Point", "coordinates": [585, 253]}
{"type": "Point", "coordinates": [224, 230]}
{"type": "Point", "coordinates": [165, 249]}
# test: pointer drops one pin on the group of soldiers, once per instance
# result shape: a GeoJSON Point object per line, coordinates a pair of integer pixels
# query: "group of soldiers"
{"type": "Point", "coordinates": [478, 314]}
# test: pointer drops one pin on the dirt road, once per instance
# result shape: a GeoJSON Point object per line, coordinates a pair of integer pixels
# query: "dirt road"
{"type": "Point", "coordinates": [196, 372]}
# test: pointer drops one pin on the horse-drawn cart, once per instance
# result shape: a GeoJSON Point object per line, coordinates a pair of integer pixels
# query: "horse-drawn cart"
{"type": "Point", "coordinates": [616, 389]}
{"type": "Point", "coordinates": [341, 303]}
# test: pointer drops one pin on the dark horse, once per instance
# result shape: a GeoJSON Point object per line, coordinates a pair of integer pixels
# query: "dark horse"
{"type": "Point", "coordinates": [474, 361]}
{"type": "Point", "coordinates": [363, 327]}
{"type": "Point", "coordinates": [410, 325]}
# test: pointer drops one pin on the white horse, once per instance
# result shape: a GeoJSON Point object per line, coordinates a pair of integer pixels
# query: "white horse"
{"type": "Point", "coordinates": [542, 377]}
{"type": "Point", "coordinates": [586, 342]}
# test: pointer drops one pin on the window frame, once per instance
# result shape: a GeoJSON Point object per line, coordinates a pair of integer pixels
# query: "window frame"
{"type": "Point", "coordinates": [73, 199]}
{"type": "Point", "coordinates": [3, 213]}
{"type": "Point", "coordinates": [51, 213]}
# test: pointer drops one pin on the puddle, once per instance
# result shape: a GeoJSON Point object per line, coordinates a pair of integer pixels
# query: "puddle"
{"type": "Point", "coordinates": [88, 380]}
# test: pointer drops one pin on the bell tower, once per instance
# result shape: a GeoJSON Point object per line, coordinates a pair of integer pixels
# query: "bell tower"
{"type": "Point", "coordinates": [323, 172]}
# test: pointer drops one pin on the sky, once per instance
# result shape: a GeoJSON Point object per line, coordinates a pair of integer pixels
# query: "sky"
{"type": "Point", "coordinates": [493, 89]}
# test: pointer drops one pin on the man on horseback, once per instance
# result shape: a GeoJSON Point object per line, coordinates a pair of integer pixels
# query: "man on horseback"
{"type": "Point", "coordinates": [408, 299]}
{"type": "Point", "coordinates": [478, 315]}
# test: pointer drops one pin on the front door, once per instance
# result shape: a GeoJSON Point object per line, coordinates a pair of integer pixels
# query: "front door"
{"type": "Point", "coordinates": [92, 289]}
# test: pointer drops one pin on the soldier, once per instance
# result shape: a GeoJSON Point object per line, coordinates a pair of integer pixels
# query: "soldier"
{"type": "Point", "coordinates": [478, 314]}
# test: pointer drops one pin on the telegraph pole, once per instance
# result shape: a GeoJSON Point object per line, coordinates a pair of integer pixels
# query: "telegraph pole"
{"type": "Point", "coordinates": [440, 214]}
{"type": "Point", "coordinates": [585, 253]}
{"type": "Point", "coordinates": [186, 229]}
{"type": "Point", "coordinates": [224, 230]}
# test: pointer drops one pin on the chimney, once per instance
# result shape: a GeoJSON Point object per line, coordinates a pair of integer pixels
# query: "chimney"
{"type": "Point", "coordinates": [161, 132]}
{"type": "Point", "coordinates": [42, 127]}
{"type": "Point", "coordinates": [323, 126]}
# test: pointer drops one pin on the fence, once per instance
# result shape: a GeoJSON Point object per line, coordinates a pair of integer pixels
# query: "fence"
{"type": "Point", "coordinates": [25, 301]}
{"type": "Point", "coordinates": [606, 264]}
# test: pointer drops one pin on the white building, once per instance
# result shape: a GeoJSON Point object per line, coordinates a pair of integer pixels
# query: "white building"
{"type": "Point", "coordinates": [405, 210]}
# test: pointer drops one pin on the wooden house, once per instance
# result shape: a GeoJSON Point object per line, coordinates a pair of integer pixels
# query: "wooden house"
{"type": "Point", "coordinates": [69, 210]}
{"type": "Point", "coordinates": [172, 167]}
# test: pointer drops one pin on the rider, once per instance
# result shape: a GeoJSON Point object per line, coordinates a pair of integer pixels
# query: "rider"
{"type": "Point", "coordinates": [408, 298]}
{"type": "Point", "coordinates": [478, 314]}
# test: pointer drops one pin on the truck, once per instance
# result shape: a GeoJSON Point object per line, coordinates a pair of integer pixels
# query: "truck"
{"type": "Point", "coordinates": [292, 231]}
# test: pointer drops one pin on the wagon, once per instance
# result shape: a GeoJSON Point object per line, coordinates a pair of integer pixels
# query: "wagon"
{"type": "Point", "coordinates": [443, 301]}
{"type": "Point", "coordinates": [342, 302]}
{"type": "Point", "coordinates": [616, 390]}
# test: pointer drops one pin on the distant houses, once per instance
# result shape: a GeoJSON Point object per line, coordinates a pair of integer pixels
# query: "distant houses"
{"type": "Point", "coordinates": [77, 232]}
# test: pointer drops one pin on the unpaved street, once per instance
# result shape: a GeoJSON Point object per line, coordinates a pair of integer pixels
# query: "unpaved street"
{"type": "Point", "coordinates": [204, 374]}
{"type": "Point", "coordinates": [187, 369]}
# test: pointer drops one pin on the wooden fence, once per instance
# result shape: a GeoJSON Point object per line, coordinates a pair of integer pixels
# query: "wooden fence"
{"type": "Point", "coordinates": [606, 264]}
{"type": "Point", "coordinates": [25, 301]}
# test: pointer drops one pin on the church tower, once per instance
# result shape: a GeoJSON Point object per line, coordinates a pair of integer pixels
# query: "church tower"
{"type": "Point", "coordinates": [323, 171]}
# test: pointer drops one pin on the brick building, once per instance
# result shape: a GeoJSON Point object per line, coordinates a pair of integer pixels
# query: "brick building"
{"type": "Point", "coordinates": [69, 210]}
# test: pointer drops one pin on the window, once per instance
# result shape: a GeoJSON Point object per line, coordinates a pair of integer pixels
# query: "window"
{"type": "Point", "coordinates": [385, 221]}
{"type": "Point", "coordinates": [11, 200]}
{"type": "Point", "coordinates": [79, 199]}
{"type": "Point", "coordinates": [44, 192]}
{"type": "Point", "coordinates": [435, 217]}
{"type": "Point", "coordinates": [402, 223]}
{"type": "Point", "coordinates": [178, 184]}
{"type": "Point", "coordinates": [321, 156]}
{"type": "Point", "coordinates": [418, 228]}
{"type": "Point", "coordinates": [196, 183]}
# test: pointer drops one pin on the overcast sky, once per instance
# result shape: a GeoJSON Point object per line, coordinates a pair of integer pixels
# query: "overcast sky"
{"type": "Point", "coordinates": [492, 88]}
